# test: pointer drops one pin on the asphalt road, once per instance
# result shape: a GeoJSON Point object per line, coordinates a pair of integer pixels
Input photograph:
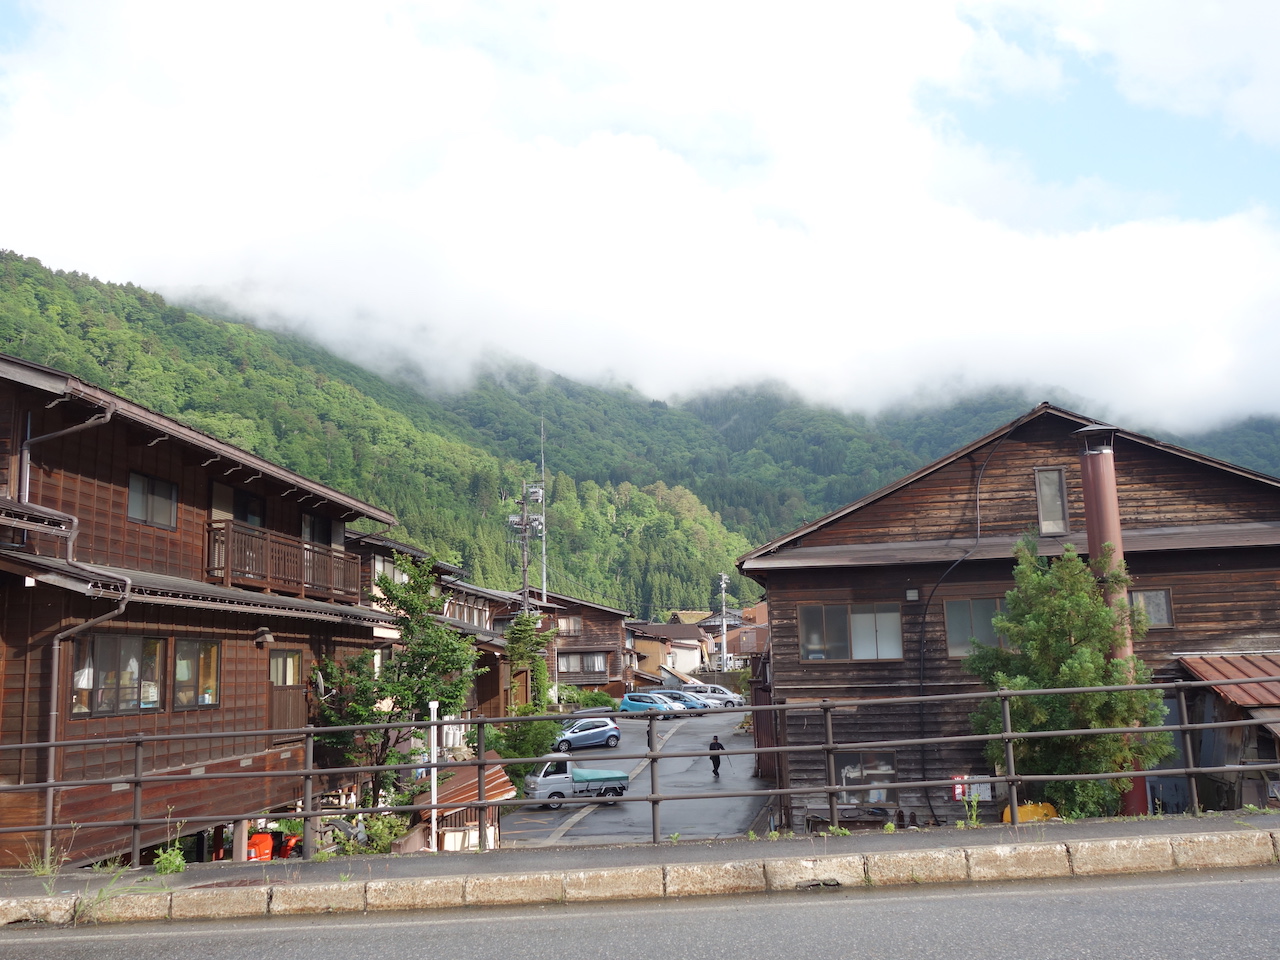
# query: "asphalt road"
{"type": "Point", "coordinates": [632, 822]}
{"type": "Point", "coordinates": [1164, 917]}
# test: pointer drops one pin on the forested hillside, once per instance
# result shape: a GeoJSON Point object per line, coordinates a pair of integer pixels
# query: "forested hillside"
{"type": "Point", "coordinates": [648, 501]}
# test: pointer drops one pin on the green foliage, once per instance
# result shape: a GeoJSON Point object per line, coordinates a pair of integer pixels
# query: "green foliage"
{"type": "Point", "coordinates": [432, 662]}
{"type": "Point", "coordinates": [587, 698]}
{"type": "Point", "coordinates": [1060, 633]}
{"type": "Point", "coordinates": [380, 831]}
{"type": "Point", "coordinates": [534, 738]}
{"type": "Point", "coordinates": [170, 859]}
{"type": "Point", "coordinates": [526, 649]}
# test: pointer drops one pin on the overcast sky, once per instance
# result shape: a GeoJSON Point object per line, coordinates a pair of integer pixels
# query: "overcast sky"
{"type": "Point", "coordinates": [864, 199]}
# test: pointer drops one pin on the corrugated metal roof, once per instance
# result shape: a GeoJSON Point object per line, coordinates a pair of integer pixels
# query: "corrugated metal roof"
{"type": "Point", "coordinates": [1241, 667]}
{"type": "Point", "coordinates": [463, 787]}
{"type": "Point", "coordinates": [1262, 534]}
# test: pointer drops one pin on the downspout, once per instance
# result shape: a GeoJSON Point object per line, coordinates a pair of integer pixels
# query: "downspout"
{"type": "Point", "coordinates": [55, 648]}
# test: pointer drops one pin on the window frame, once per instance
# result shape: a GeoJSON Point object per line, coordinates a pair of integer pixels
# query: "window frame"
{"type": "Point", "coordinates": [1168, 604]}
{"type": "Point", "coordinates": [569, 626]}
{"type": "Point", "coordinates": [887, 796]}
{"type": "Point", "coordinates": [285, 655]}
{"type": "Point", "coordinates": [198, 678]}
{"type": "Point", "coordinates": [146, 501]}
{"type": "Point", "coordinates": [840, 630]}
{"type": "Point", "coordinates": [997, 640]}
{"type": "Point", "coordinates": [1044, 521]}
{"type": "Point", "coordinates": [110, 648]}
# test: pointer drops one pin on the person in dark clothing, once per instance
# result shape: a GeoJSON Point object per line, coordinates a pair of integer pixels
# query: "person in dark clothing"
{"type": "Point", "coordinates": [715, 757]}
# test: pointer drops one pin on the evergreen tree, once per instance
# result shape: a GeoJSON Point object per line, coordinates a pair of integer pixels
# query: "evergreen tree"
{"type": "Point", "coordinates": [1059, 632]}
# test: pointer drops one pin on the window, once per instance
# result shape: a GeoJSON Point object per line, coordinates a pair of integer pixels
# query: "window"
{"type": "Point", "coordinates": [1156, 604]}
{"type": "Point", "coordinates": [317, 529]}
{"type": "Point", "coordinates": [1051, 496]}
{"type": "Point", "coordinates": [286, 668]}
{"type": "Point", "coordinates": [854, 769]}
{"type": "Point", "coordinates": [857, 631]}
{"type": "Point", "coordinates": [247, 508]}
{"type": "Point", "coordinates": [196, 673]}
{"type": "Point", "coordinates": [969, 620]}
{"type": "Point", "coordinates": [569, 626]}
{"type": "Point", "coordinates": [583, 662]}
{"type": "Point", "coordinates": [153, 501]}
{"type": "Point", "coordinates": [116, 675]}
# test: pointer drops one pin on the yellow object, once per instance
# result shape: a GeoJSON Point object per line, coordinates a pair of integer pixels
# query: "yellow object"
{"type": "Point", "coordinates": [1031, 812]}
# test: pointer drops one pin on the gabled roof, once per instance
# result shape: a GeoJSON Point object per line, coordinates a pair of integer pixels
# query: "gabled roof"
{"type": "Point", "coordinates": [57, 383]}
{"type": "Point", "coordinates": [686, 633]}
{"type": "Point", "coordinates": [1243, 534]}
{"type": "Point", "coordinates": [562, 600]}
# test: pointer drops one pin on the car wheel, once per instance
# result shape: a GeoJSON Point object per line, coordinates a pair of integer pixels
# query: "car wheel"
{"type": "Point", "coordinates": [611, 792]}
{"type": "Point", "coordinates": [612, 741]}
{"type": "Point", "coordinates": [555, 799]}
{"type": "Point", "coordinates": [563, 746]}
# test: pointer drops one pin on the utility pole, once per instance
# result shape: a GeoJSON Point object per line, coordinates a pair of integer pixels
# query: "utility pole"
{"type": "Point", "coordinates": [724, 627]}
{"type": "Point", "coordinates": [531, 521]}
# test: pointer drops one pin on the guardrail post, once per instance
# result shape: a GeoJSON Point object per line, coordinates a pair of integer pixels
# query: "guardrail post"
{"type": "Point", "coordinates": [1188, 758]}
{"type": "Point", "coordinates": [482, 812]}
{"type": "Point", "coordinates": [308, 821]}
{"type": "Point", "coordinates": [829, 752]}
{"type": "Point", "coordinates": [653, 778]}
{"type": "Point", "coordinates": [1010, 773]}
{"type": "Point", "coordinates": [135, 845]}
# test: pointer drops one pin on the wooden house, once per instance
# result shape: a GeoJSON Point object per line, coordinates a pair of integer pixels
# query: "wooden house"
{"type": "Point", "coordinates": [591, 646]}
{"type": "Point", "coordinates": [156, 581]}
{"type": "Point", "coordinates": [881, 598]}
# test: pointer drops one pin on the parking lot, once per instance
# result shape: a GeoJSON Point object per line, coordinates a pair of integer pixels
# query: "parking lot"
{"type": "Point", "coordinates": [632, 822]}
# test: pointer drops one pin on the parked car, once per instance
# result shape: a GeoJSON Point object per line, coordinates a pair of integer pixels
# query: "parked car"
{"type": "Point", "coordinates": [690, 701]}
{"type": "Point", "coordinates": [640, 702]}
{"type": "Point", "coordinates": [713, 692]}
{"type": "Point", "coordinates": [588, 732]}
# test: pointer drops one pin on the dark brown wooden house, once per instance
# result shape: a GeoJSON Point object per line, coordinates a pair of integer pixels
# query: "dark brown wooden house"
{"type": "Point", "coordinates": [591, 646]}
{"type": "Point", "coordinates": [881, 598]}
{"type": "Point", "coordinates": [154, 580]}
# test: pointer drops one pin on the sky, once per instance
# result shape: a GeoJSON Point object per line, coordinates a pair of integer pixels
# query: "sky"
{"type": "Point", "coordinates": [873, 202]}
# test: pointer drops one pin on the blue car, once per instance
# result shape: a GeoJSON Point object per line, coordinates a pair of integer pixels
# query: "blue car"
{"type": "Point", "coordinates": [640, 702]}
{"type": "Point", "coordinates": [689, 701]}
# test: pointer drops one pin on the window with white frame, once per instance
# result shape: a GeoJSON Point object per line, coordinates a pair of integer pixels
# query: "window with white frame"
{"type": "Point", "coordinates": [1051, 500]}
{"type": "Point", "coordinates": [1156, 604]}
{"type": "Point", "coordinates": [969, 620]}
{"type": "Point", "coordinates": [850, 631]}
{"type": "Point", "coordinates": [153, 501]}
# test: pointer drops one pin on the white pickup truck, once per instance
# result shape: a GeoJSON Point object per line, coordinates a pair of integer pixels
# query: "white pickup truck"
{"type": "Point", "coordinates": [560, 777]}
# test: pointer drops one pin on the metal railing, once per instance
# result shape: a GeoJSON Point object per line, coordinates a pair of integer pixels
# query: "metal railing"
{"type": "Point", "coordinates": [144, 785]}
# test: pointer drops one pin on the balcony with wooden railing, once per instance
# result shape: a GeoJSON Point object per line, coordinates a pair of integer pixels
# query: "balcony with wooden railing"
{"type": "Point", "coordinates": [241, 555]}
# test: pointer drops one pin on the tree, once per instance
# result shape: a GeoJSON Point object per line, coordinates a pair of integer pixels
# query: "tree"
{"type": "Point", "coordinates": [1059, 632]}
{"type": "Point", "coordinates": [526, 650]}
{"type": "Point", "coordinates": [431, 662]}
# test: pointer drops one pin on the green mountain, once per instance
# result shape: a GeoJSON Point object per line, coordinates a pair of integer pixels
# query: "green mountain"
{"type": "Point", "coordinates": [647, 501]}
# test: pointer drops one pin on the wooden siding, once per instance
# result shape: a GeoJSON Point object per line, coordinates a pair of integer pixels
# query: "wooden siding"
{"type": "Point", "coordinates": [1155, 488]}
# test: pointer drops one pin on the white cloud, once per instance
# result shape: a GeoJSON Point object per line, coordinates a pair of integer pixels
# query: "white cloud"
{"type": "Point", "coordinates": [658, 193]}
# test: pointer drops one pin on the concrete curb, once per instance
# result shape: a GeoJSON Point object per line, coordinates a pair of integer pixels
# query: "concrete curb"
{"type": "Point", "coordinates": [1078, 858]}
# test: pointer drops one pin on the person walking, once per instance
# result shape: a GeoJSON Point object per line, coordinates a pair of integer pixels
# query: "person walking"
{"type": "Point", "coordinates": [715, 757]}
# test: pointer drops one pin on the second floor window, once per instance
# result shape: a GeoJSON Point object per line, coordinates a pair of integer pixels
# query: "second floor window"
{"type": "Point", "coordinates": [969, 620]}
{"type": "Point", "coordinates": [153, 501]}
{"type": "Point", "coordinates": [850, 631]}
{"type": "Point", "coordinates": [569, 626]}
{"type": "Point", "coordinates": [1155, 604]}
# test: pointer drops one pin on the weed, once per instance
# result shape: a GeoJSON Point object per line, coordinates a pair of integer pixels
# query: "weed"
{"type": "Point", "coordinates": [773, 835]}
{"type": "Point", "coordinates": [170, 858]}
{"type": "Point", "coordinates": [834, 831]}
{"type": "Point", "coordinates": [889, 828]}
{"type": "Point", "coordinates": [1251, 808]}
{"type": "Point", "coordinates": [45, 863]}
{"type": "Point", "coordinates": [344, 877]}
{"type": "Point", "coordinates": [971, 800]}
{"type": "Point", "coordinates": [675, 838]}
{"type": "Point", "coordinates": [751, 835]}
{"type": "Point", "coordinates": [320, 856]}
{"type": "Point", "coordinates": [112, 865]}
